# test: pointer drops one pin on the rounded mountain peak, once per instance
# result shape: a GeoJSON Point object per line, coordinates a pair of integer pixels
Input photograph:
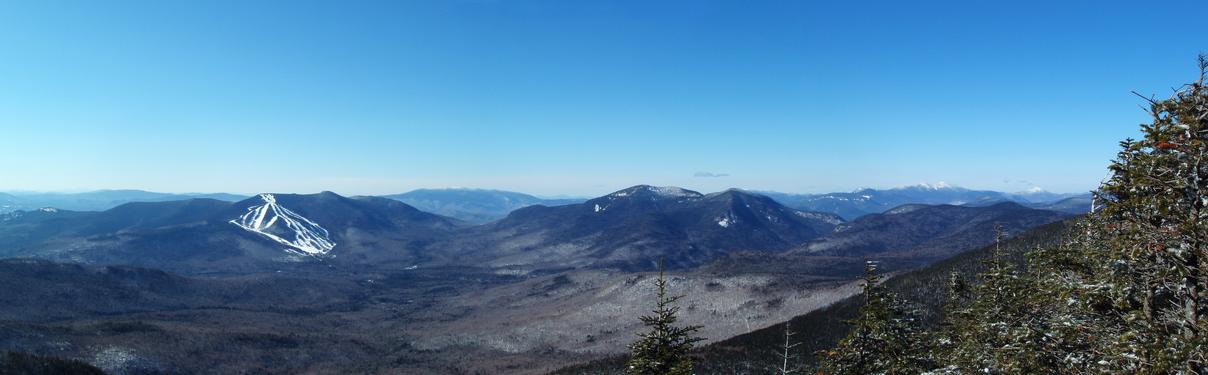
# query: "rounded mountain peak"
{"type": "Point", "coordinates": [737, 194]}
{"type": "Point", "coordinates": [647, 191]}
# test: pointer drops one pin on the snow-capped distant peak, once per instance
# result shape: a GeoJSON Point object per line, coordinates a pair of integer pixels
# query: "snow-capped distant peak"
{"type": "Point", "coordinates": [286, 227]}
{"type": "Point", "coordinates": [1034, 190]}
{"type": "Point", "coordinates": [925, 186]}
{"type": "Point", "coordinates": [935, 186]}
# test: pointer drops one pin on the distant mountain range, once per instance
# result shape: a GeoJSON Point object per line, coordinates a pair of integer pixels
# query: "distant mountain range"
{"type": "Point", "coordinates": [95, 200]}
{"type": "Point", "coordinates": [869, 201]}
{"type": "Point", "coordinates": [927, 231]}
{"type": "Point", "coordinates": [474, 205]}
{"type": "Point", "coordinates": [478, 206]}
{"type": "Point", "coordinates": [1074, 205]}
{"type": "Point", "coordinates": [629, 229]}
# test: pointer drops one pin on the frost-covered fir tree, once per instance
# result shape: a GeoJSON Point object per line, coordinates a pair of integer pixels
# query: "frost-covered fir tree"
{"type": "Point", "coordinates": [999, 326]}
{"type": "Point", "coordinates": [1155, 231]}
{"type": "Point", "coordinates": [1126, 292]}
{"type": "Point", "coordinates": [1069, 297]}
{"type": "Point", "coordinates": [664, 348]}
{"type": "Point", "coordinates": [884, 339]}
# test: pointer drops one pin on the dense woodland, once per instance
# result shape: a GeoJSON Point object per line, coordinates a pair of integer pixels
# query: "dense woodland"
{"type": "Point", "coordinates": [1122, 290]}
{"type": "Point", "coordinates": [22, 363]}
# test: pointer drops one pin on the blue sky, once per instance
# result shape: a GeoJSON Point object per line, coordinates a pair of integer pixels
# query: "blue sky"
{"type": "Point", "coordinates": [580, 98]}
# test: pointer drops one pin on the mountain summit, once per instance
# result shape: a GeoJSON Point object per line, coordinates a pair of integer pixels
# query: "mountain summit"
{"type": "Point", "coordinates": [296, 232]}
{"type": "Point", "coordinates": [632, 228]}
{"type": "Point", "coordinates": [203, 235]}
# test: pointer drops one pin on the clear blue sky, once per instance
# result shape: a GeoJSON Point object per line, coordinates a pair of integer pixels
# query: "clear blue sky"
{"type": "Point", "coordinates": [578, 97]}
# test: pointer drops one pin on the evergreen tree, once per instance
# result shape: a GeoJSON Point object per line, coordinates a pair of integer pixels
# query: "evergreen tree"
{"type": "Point", "coordinates": [1125, 293]}
{"type": "Point", "coordinates": [1156, 232]}
{"type": "Point", "coordinates": [1001, 328]}
{"type": "Point", "coordinates": [1071, 297]}
{"type": "Point", "coordinates": [663, 350]}
{"type": "Point", "coordinates": [884, 339]}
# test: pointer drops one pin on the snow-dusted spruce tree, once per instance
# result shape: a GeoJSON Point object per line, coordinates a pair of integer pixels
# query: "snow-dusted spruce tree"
{"type": "Point", "coordinates": [1125, 293]}
{"type": "Point", "coordinates": [999, 326]}
{"type": "Point", "coordinates": [884, 339]}
{"type": "Point", "coordinates": [664, 349]}
{"type": "Point", "coordinates": [1156, 226]}
{"type": "Point", "coordinates": [1069, 301]}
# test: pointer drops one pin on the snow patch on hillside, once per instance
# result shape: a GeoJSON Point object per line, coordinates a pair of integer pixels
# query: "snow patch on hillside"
{"type": "Point", "coordinates": [672, 192]}
{"type": "Point", "coordinates": [726, 220]}
{"type": "Point", "coordinates": [904, 209]}
{"type": "Point", "coordinates": [299, 233]}
{"type": "Point", "coordinates": [829, 219]}
{"type": "Point", "coordinates": [658, 191]}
